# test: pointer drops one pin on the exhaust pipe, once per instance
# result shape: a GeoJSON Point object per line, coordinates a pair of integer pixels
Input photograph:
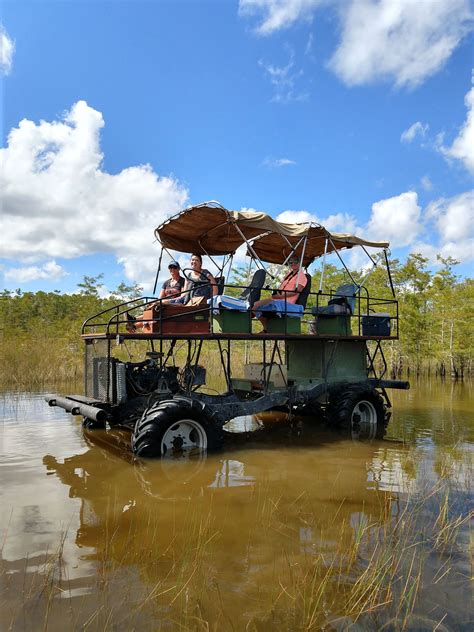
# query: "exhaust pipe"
{"type": "Point", "coordinates": [78, 408]}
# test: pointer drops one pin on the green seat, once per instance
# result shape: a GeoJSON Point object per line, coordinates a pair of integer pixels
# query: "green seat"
{"type": "Point", "coordinates": [283, 325]}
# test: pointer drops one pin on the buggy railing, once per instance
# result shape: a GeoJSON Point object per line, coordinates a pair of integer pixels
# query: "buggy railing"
{"type": "Point", "coordinates": [116, 315]}
{"type": "Point", "coordinates": [111, 321]}
{"type": "Point", "coordinates": [366, 306]}
{"type": "Point", "coordinates": [90, 323]}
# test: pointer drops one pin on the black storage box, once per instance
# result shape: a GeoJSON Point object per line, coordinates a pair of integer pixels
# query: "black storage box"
{"type": "Point", "coordinates": [376, 325]}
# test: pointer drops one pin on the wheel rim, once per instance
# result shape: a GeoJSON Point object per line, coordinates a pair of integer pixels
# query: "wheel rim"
{"type": "Point", "coordinates": [364, 413]}
{"type": "Point", "coordinates": [184, 436]}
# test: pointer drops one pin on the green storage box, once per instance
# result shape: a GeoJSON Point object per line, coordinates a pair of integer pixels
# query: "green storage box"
{"type": "Point", "coordinates": [231, 321]}
{"type": "Point", "coordinates": [283, 325]}
{"type": "Point", "coordinates": [339, 325]}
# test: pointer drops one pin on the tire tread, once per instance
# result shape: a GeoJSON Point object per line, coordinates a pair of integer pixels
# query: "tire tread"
{"type": "Point", "coordinates": [342, 402]}
{"type": "Point", "coordinates": [149, 430]}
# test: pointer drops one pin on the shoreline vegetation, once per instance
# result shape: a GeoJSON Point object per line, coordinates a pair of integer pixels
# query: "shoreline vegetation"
{"type": "Point", "coordinates": [40, 331]}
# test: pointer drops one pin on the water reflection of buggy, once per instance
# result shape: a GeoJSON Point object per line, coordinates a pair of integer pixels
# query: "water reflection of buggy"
{"type": "Point", "coordinates": [321, 354]}
{"type": "Point", "coordinates": [117, 497]}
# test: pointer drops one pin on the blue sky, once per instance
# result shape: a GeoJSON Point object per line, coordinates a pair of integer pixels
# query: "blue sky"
{"type": "Point", "coordinates": [358, 114]}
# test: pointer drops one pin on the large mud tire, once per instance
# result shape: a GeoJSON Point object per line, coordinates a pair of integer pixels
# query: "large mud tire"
{"type": "Point", "coordinates": [174, 425]}
{"type": "Point", "coordinates": [356, 406]}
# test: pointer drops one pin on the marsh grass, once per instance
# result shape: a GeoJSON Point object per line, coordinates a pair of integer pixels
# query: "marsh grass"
{"type": "Point", "coordinates": [157, 575]}
{"type": "Point", "coordinates": [35, 361]}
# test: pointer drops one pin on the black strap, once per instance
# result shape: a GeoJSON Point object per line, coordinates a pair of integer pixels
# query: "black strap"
{"type": "Point", "coordinates": [288, 276]}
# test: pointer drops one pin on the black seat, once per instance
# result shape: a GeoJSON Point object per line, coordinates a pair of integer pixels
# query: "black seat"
{"type": "Point", "coordinates": [253, 291]}
{"type": "Point", "coordinates": [343, 301]}
{"type": "Point", "coordinates": [220, 282]}
{"type": "Point", "coordinates": [303, 297]}
{"type": "Point", "coordinates": [346, 296]}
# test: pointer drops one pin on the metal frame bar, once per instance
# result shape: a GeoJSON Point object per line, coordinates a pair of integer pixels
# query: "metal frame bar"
{"type": "Point", "coordinates": [390, 276]}
{"type": "Point", "coordinates": [371, 368]}
{"type": "Point", "coordinates": [324, 264]}
{"type": "Point", "coordinates": [158, 270]}
{"type": "Point", "coordinates": [342, 261]}
{"type": "Point", "coordinates": [225, 365]}
{"type": "Point", "coordinates": [375, 263]}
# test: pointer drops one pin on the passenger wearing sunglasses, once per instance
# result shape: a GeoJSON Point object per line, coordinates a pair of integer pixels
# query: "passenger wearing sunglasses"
{"type": "Point", "coordinates": [170, 293]}
{"type": "Point", "coordinates": [173, 286]}
{"type": "Point", "coordinates": [289, 289]}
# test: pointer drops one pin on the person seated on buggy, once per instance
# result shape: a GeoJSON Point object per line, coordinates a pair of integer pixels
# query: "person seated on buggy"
{"type": "Point", "coordinates": [200, 284]}
{"type": "Point", "coordinates": [172, 287]}
{"type": "Point", "coordinates": [287, 293]}
{"type": "Point", "coordinates": [169, 293]}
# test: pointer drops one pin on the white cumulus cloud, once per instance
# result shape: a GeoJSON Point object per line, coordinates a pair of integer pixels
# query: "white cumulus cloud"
{"type": "Point", "coordinates": [296, 217]}
{"type": "Point", "coordinates": [450, 221]}
{"type": "Point", "coordinates": [7, 48]}
{"type": "Point", "coordinates": [463, 146]}
{"type": "Point", "coordinates": [404, 41]}
{"type": "Point", "coordinates": [336, 223]}
{"type": "Point", "coordinates": [401, 221]}
{"type": "Point", "coordinates": [50, 270]}
{"type": "Point", "coordinates": [417, 129]}
{"type": "Point", "coordinates": [59, 202]}
{"type": "Point", "coordinates": [396, 219]}
{"type": "Point", "coordinates": [454, 218]}
{"type": "Point", "coordinates": [277, 14]}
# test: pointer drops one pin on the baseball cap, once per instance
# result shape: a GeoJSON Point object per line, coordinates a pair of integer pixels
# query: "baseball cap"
{"type": "Point", "coordinates": [173, 264]}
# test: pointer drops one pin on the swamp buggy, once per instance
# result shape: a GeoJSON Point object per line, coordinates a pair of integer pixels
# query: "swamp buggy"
{"type": "Point", "coordinates": [202, 364]}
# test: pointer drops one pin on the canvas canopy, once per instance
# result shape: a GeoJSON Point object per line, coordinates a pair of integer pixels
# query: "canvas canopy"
{"type": "Point", "coordinates": [211, 229]}
{"type": "Point", "coordinates": [275, 248]}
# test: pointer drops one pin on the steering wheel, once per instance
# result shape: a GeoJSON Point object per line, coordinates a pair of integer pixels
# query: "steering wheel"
{"type": "Point", "coordinates": [202, 278]}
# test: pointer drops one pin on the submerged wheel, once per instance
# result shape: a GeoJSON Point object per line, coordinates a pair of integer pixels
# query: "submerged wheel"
{"type": "Point", "coordinates": [355, 407]}
{"type": "Point", "coordinates": [176, 427]}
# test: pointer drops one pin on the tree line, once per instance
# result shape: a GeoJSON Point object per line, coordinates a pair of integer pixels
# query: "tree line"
{"type": "Point", "coordinates": [40, 330]}
{"type": "Point", "coordinates": [435, 315]}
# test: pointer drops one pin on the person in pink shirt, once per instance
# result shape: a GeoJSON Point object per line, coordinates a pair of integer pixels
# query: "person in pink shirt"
{"type": "Point", "coordinates": [289, 288]}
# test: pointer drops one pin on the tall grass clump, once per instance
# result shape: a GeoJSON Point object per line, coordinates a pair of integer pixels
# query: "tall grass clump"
{"type": "Point", "coordinates": [36, 360]}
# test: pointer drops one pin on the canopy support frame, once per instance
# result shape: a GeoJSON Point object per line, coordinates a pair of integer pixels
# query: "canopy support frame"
{"type": "Point", "coordinates": [342, 261]}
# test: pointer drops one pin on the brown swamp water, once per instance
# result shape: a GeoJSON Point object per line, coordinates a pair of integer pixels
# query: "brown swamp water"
{"type": "Point", "coordinates": [303, 530]}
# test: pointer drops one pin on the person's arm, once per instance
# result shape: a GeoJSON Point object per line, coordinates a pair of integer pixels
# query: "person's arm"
{"type": "Point", "coordinates": [185, 292]}
{"type": "Point", "coordinates": [162, 291]}
{"type": "Point", "coordinates": [280, 295]}
{"type": "Point", "coordinates": [288, 293]}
